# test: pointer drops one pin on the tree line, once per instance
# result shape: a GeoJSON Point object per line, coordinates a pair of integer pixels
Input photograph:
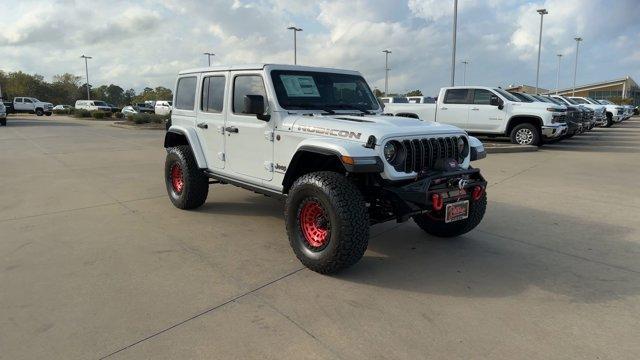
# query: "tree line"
{"type": "Point", "coordinates": [66, 88]}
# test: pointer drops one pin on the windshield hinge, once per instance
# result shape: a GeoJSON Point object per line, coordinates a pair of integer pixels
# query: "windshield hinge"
{"type": "Point", "coordinates": [268, 135]}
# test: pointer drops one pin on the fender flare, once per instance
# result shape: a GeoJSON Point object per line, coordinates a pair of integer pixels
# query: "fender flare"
{"type": "Point", "coordinates": [192, 140]}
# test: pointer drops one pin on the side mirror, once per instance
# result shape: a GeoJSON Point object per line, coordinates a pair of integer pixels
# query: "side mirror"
{"type": "Point", "coordinates": [496, 101]}
{"type": "Point", "coordinates": [254, 104]}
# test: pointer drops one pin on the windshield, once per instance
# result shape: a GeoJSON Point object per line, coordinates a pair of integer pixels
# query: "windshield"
{"type": "Point", "coordinates": [593, 101]}
{"type": "Point", "coordinates": [521, 97]}
{"type": "Point", "coordinates": [606, 102]}
{"type": "Point", "coordinates": [579, 101]}
{"type": "Point", "coordinates": [507, 95]}
{"type": "Point", "coordinates": [100, 103]}
{"type": "Point", "coordinates": [571, 101]}
{"type": "Point", "coordinates": [297, 90]}
{"type": "Point", "coordinates": [542, 98]}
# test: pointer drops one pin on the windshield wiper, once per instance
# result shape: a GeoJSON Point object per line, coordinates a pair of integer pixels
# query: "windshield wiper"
{"type": "Point", "coordinates": [314, 107]}
{"type": "Point", "coordinates": [350, 107]}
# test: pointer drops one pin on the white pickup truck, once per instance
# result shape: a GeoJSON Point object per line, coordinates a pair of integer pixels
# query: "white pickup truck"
{"type": "Point", "coordinates": [489, 111]}
{"type": "Point", "coordinates": [32, 106]}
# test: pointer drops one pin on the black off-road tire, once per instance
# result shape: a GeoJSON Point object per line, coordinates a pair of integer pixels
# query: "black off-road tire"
{"type": "Point", "coordinates": [535, 136]}
{"type": "Point", "coordinates": [347, 217]}
{"type": "Point", "coordinates": [609, 120]}
{"type": "Point", "coordinates": [39, 112]}
{"type": "Point", "coordinates": [3, 122]}
{"type": "Point", "coordinates": [195, 186]}
{"type": "Point", "coordinates": [437, 227]}
{"type": "Point", "coordinates": [47, 113]}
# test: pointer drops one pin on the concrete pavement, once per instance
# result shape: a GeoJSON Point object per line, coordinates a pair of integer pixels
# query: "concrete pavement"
{"type": "Point", "coordinates": [95, 262]}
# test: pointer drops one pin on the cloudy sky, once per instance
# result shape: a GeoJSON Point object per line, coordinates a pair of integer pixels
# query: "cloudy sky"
{"type": "Point", "coordinates": [146, 42]}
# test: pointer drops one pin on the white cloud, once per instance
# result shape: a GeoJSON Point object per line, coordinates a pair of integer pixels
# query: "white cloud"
{"type": "Point", "coordinates": [137, 44]}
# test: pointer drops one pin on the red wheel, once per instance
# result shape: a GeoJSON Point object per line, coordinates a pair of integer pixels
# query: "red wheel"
{"type": "Point", "coordinates": [177, 181]}
{"type": "Point", "coordinates": [314, 224]}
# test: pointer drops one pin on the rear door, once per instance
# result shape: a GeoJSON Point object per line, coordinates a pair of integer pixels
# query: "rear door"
{"type": "Point", "coordinates": [211, 117]}
{"type": "Point", "coordinates": [454, 109]}
{"type": "Point", "coordinates": [484, 117]}
{"type": "Point", "coordinates": [248, 143]}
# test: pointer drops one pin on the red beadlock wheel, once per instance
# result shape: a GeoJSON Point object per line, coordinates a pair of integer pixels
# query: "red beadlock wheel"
{"type": "Point", "coordinates": [314, 223]}
{"type": "Point", "coordinates": [177, 181]}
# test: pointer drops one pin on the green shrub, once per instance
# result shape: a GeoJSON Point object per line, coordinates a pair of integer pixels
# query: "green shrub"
{"type": "Point", "coordinates": [82, 113]}
{"type": "Point", "coordinates": [118, 115]}
{"type": "Point", "coordinates": [143, 118]}
{"type": "Point", "coordinates": [97, 114]}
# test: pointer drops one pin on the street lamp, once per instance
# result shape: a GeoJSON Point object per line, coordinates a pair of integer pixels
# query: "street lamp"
{"type": "Point", "coordinates": [295, 41]}
{"type": "Point", "coordinates": [386, 72]}
{"type": "Point", "coordinates": [575, 66]}
{"type": "Point", "coordinates": [558, 75]}
{"type": "Point", "coordinates": [86, 68]}
{"type": "Point", "coordinates": [209, 55]}
{"type": "Point", "coordinates": [453, 51]}
{"type": "Point", "coordinates": [464, 77]}
{"type": "Point", "coordinates": [542, 13]}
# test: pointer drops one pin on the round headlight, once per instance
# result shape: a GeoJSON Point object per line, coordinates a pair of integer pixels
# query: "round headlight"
{"type": "Point", "coordinates": [462, 147]}
{"type": "Point", "coordinates": [390, 151]}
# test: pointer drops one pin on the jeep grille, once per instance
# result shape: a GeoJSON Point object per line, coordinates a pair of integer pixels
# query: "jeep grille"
{"type": "Point", "coordinates": [425, 153]}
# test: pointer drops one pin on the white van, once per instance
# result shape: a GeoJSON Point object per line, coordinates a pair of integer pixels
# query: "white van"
{"type": "Point", "coordinates": [163, 107]}
{"type": "Point", "coordinates": [93, 105]}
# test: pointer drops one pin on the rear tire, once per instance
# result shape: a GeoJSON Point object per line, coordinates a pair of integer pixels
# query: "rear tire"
{"type": "Point", "coordinates": [437, 227]}
{"type": "Point", "coordinates": [47, 114]}
{"type": "Point", "coordinates": [187, 185]}
{"type": "Point", "coordinates": [327, 222]}
{"type": "Point", "coordinates": [3, 122]}
{"type": "Point", "coordinates": [526, 134]}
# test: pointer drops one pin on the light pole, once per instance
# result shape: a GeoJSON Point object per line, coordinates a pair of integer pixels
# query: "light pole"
{"type": "Point", "coordinates": [386, 72]}
{"type": "Point", "coordinates": [542, 13]}
{"type": "Point", "coordinates": [453, 50]}
{"type": "Point", "coordinates": [86, 68]}
{"type": "Point", "coordinates": [558, 74]}
{"type": "Point", "coordinates": [209, 55]}
{"type": "Point", "coordinates": [575, 66]}
{"type": "Point", "coordinates": [464, 76]}
{"type": "Point", "coordinates": [295, 43]}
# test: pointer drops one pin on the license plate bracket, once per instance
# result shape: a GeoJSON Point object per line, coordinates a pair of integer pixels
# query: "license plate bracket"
{"type": "Point", "coordinates": [456, 211]}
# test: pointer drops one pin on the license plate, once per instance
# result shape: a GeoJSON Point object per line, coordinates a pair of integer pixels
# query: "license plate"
{"type": "Point", "coordinates": [456, 211]}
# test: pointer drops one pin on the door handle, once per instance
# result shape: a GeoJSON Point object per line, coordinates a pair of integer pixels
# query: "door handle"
{"type": "Point", "coordinates": [203, 125]}
{"type": "Point", "coordinates": [443, 108]}
{"type": "Point", "coordinates": [231, 129]}
{"type": "Point", "coordinates": [475, 109]}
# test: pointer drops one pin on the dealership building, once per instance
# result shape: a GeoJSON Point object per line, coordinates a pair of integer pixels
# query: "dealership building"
{"type": "Point", "coordinates": [621, 88]}
{"type": "Point", "coordinates": [624, 87]}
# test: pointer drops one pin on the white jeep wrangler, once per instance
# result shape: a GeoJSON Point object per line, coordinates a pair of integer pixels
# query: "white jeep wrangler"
{"type": "Point", "coordinates": [317, 138]}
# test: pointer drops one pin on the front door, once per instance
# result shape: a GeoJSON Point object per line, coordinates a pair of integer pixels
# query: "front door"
{"type": "Point", "coordinates": [211, 118]}
{"type": "Point", "coordinates": [484, 117]}
{"type": "Point", "coordinates": [248, 140]}
{"type": "Point", "coordinates": [454, 110]}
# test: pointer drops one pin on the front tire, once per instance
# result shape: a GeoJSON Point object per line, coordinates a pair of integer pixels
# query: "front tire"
{"type": "Point", "coordinates": [47, 114]}
{"type": "Point", "coordinates": [525, 134]}
{"type": "Point", "coordinates": [39, 112]}
{"type": "Point", "coordinates": [187, 185]}
{"type": "Point", "coordinates": [609, 120]}
{"type": "Point", "coordinates": [3, 122]}
{"type": "Point", "coordinates": [327, 222]}
{"type": "Point", "coordinates": [437, 227]}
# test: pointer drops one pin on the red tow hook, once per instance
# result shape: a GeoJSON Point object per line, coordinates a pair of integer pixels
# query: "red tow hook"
{"type": "Point", "coordinates": [477, 193]}
{"type": "Point", "coordinates": [436, 199]}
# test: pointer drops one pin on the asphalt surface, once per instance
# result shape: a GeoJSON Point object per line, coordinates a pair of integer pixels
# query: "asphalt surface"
{"type": "Point", "coordinates": [95, 262]}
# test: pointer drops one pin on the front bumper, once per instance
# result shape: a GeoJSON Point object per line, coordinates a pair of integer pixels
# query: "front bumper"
{"type": "Point", "coordinates": [554, 131]}
{"type": "Point", "coordinates": [416, 197]}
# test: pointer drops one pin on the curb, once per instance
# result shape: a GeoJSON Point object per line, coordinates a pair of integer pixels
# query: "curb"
{"type": "Point", "coordinates": [508, 149]}
{"type": "Point", "coordinates": [133, 127]}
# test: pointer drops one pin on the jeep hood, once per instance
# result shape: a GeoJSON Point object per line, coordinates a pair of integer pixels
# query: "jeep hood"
{"type": "Point", "coordinates": [359, 128]}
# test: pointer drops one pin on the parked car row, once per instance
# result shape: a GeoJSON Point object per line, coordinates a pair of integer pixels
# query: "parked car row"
{"type": "Point", "coordinates": [525, 118]}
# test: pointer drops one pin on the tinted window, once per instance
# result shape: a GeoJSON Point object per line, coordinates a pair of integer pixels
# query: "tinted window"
{"type": "Point", "coordinates": [400, 100]}
{"type": "Point", "coordinates": [482, 97]}
{"type": "Point", "coordinates": [246, 85]}
{"type": "Point", "coordinates": [213, 93]}
{"type": "Point", "coordinates": [186, 93]}
{"type": "Point", "coordinates": [456, 96]}
{"type": "Point", "coordinates": [385, 101]}
{"type": "Point", "coordinates": [18, 100]}
{"type": "Point", "coordinates": [28, 101]}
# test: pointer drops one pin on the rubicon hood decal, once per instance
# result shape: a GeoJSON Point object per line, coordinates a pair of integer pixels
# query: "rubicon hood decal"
{"type": "Point", "coordinates": [330, 132]}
